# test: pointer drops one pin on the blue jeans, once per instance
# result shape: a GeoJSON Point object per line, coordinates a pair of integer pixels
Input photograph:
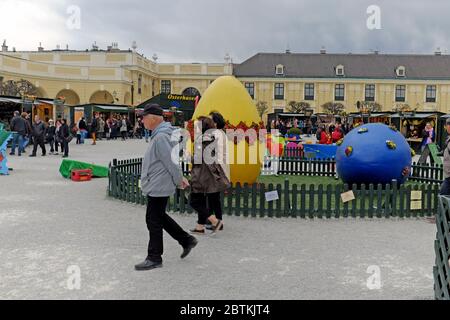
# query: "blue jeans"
{"type": "Point", "coordinates": [445, 188]}
{"type": "Point", "coordinates": [17, 141]}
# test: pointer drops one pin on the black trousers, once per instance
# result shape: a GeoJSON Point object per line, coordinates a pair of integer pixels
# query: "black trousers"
{"type": "Point", "coordinates": [64, 147]}
{"type": "Point", "coordinates": [199, 204]}
{"type": "Point", "coordinates": [157, 219]}
{"type": "Point", "coordinates": [38, 141]}
{"type": "Point", "coordinates": [214, 204]}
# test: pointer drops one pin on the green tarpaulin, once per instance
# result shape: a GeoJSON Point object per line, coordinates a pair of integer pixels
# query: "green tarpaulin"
{"type": "Point", "coordinates": [68, 165]}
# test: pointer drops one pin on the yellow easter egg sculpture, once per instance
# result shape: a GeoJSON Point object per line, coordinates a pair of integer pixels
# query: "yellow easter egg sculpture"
{"type": "Point", "coordinates": [228, 96]}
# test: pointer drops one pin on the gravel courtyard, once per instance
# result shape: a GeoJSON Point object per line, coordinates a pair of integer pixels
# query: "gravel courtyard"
{"type": "Point", "coordinates": [49, 226]}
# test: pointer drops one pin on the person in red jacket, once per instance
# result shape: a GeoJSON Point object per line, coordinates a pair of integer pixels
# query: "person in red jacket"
{"type": "Point", "coordinates": [325, 136]}
{"type": "Point", "coordinates": [337, 134]}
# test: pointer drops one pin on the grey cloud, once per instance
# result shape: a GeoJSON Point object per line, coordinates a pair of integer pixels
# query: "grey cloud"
{"type": "Point", "coordinates": [203, 31]}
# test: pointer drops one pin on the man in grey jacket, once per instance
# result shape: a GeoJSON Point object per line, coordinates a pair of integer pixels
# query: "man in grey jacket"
{"type": "Point", "coordinates": [159, 179]}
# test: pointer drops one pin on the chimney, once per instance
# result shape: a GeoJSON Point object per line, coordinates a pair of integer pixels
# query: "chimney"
{"type": "Point", "coordinates": [323, 50]}
{"type": "Point", "coordinates": [376, 52]}
{"type": "Point", "coordinates": [438, 52]}
{"type": "Point", "coordinates": [40, 48]}
{"type": "Point", "coordinates": [4, 46]}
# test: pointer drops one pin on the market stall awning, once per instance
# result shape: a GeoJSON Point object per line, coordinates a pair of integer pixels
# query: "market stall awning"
{"type": "Point", "coordinates": [372, 115]}
{"type": "Point", "coordinates": [110, 108]}
{"type": "Point", "coordinates": [417, 115]}
{"type": "Point", "coordinates": [291, 115]}
{"type": "Point", "coordinates": [11, 100]}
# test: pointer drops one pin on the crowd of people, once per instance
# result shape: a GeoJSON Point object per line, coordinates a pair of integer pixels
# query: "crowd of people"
{"type": "Point", "coordinates": [38, 134]}
{"type": "Point", "coordinates": [58, 134]}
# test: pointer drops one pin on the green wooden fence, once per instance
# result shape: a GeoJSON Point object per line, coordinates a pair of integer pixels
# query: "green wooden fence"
{"type": "Point", "coordinates": [441, 270]}
{"type": "Point", "coordinates": [305, 167]}
{"type": "Point", "coordinates": [294, 200]}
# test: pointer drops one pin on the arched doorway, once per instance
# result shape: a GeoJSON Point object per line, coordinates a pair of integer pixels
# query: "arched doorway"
{"type": "Point", "coordinates": [69, 96]}
{"type": "Point", "coordinates": [101, 97]}
{"type": "Point", "coordinates": [192, 92]}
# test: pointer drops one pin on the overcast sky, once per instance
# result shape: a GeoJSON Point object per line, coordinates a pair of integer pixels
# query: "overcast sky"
{"type": "Point", "coordinates": [204, 30]}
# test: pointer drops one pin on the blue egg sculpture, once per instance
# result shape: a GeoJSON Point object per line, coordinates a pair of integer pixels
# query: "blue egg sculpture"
{"type": "Point", "coordinates": [373, 153]}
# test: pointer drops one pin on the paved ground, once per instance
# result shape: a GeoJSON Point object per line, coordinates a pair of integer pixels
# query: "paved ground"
{"type": "Point", "coordinates": [48, 224]}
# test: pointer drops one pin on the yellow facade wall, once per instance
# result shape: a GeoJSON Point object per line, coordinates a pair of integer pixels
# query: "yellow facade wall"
{"type": "Point", "coordinates": [36, 67]}
{"type": "Point", "coordinates": [190, 69]}
{"type": "Point", "coordinates": [68, 71]}
{"type": "Point", "coordinates": [11, 62]}
{"type": "Point", "coordinates": [116, 57]}
{"type": "Point", "coordinates": [106, 72]}
{"type": "Point", "coordinates": [75, 58]}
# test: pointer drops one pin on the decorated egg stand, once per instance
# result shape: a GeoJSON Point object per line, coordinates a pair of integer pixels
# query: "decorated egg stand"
{"type": "Point", "coordinates": [4, 138]}
{"type": "Point", "coordinates": [229, 97]}
{"type": "Point", "coordinates": [373, 154]}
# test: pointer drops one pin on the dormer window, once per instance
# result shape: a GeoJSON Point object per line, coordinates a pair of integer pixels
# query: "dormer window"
{"type": "Point", "coordinates": [279, 70]}
{"type": "Point", "coordinates": [340, 70]}
{"type": "Point", "coordinates": [400, 71]}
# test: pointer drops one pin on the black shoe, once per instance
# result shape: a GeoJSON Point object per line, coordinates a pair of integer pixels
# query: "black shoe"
{"type": "Point", "coordinates": [147, 265]}
{"type": "Point", "coordinates": [190, 246]}
{"type": "Point", "coordinates": [43, 155]}
{"type": "Point", "coordinates": [65, 156]}
{"type": "Point", "coordinates": [32, 155]}
{"type": "Point", "coordinates": [12, 154]}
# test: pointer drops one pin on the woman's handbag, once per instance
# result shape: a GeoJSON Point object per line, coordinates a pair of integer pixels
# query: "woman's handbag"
{"type": "Point", "coordinates": [69, 138]}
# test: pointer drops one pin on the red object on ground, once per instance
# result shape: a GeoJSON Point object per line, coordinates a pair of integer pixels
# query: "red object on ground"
{"type": "Point", "coordinates": [81, 175]}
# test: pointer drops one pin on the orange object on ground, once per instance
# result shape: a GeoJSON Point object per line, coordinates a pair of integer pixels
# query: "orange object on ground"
{"type": "Point", "coordinates": [81, 175]}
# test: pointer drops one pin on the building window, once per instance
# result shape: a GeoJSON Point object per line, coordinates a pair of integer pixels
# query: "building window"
{"type": "Point", "coordinates": [431, 94]}
{"type": "Point", "coordinates": [309, 91]}
{"type": "Point", "coordinates": [339, 92]}
{"type": "Point", "coordinates": [250, 86]}
{"type": "Point", "coordinates": [140, 84]}
{"type": "Point", "coordinates": [370, 92]}
{"type": "Point", "coordinates": [279, 91]}
{"type": "Point", "coordinates": [340, 71]}
{"type": "Point", "coordinates": [401, 71]}
{"type": "Point", "coordinates": [400, 91]}
{"type": "Point", "coordinates": [279, 70]}
{"type": "Point", "coordinates": [166, 86]}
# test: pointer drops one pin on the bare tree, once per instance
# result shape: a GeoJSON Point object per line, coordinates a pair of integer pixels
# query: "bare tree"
{"type": "Point", "coordinates": [334, 108]}
{"type": "Point", "coordinates": [368, 106]}
{"type": "Point", "coordinates": [402, 107]}
{"type": "Point", "coordinates": [262, 107]}
{"type": "Point", "coordinates": [18, 88]}
{"type": "Point", "coordinates": [297, 107]}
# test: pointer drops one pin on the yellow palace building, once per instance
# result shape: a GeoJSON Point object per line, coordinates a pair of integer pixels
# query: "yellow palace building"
{"type": "Point", "coordinates": [125, 77]}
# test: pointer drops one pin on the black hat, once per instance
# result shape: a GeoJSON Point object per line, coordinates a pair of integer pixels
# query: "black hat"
{"type": "Point", "coordinates": [152, 109]}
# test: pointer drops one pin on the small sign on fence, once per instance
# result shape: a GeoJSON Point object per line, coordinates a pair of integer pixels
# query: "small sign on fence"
{"type": "Point", "coordinates": [272, 196]}
{"type": "Point", "coordinates": [416, 195]}
{"type": "Point", "coordinates": [347, 196]}
{"type": "Point", "coordinates": [416, 205]}
{"type": "Point", "coordinates": [416, 200]}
